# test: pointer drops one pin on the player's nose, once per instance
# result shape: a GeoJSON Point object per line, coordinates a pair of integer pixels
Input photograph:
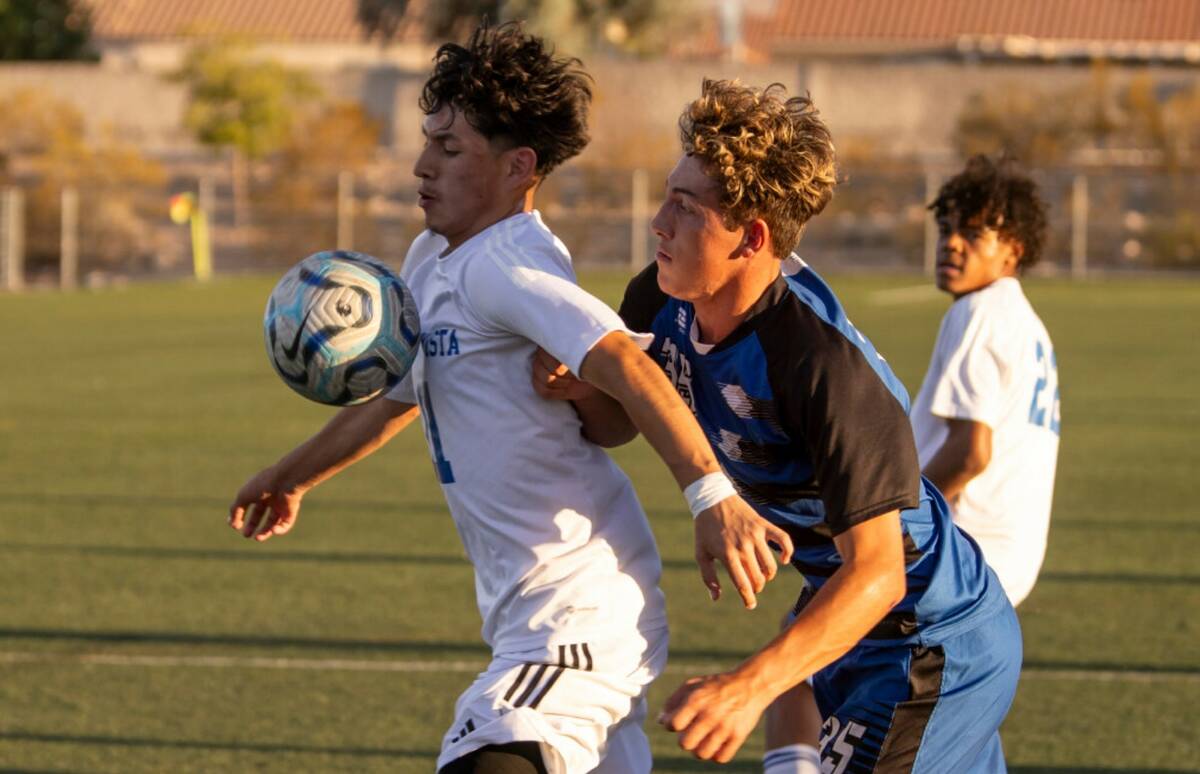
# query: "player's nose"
{"type": "Point", "coordinates": [658, 224]}
{"type": "Point", "coordinates": [954, 241]}
{"type": "Point", "coordinates": [422, 167]}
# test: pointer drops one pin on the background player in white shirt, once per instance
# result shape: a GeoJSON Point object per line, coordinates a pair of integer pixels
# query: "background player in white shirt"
{"type": "Point", "coordinates": [566, 570]}
{"type": "Point", "coordinates": [986, 419]}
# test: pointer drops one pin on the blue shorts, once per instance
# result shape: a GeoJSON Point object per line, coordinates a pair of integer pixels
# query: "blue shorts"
{"type": "Point", "coordinates": [922, 708]}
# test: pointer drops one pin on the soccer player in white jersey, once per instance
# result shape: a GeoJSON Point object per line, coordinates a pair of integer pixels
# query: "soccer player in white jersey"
{"type": "Point", "coordinates": [566, 570]}
{"type": "Point", "coordinates": [986, 419]}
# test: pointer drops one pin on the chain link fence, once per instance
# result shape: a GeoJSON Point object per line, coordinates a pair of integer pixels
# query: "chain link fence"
{"type": "Point", "coordinates": [1101, 220]}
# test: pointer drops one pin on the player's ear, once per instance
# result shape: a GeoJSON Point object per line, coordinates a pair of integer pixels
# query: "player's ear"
{"type": "Point", "coordinates": [522, 166]}
{"type": "Point", "coordinates": [1016, 251]}
{"type": "Point", "coordinates": [755, 238]}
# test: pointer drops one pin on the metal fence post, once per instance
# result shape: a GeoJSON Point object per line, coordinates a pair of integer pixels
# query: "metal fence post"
{"type": "Point", "coordinates": [1079, 224]}
{"type": "Point", "coordinates": [345, 210]}
{"type": "Point", "coordinates": [239, 178]}
{"type": "Point", "coordinates": [932, 183]}
{"type": "Point", "coordinates": [68, 275]}
{"type": "Point", "coordinates": [4, 267]}
{"type": "Point", "coordinates": [13, 243]}
{"type": "Point", "coordinates": [638, 212]}
{"type": "Point", "coordinates": [206, 196]}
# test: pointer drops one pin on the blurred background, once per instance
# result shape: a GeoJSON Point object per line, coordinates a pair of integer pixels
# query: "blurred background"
{"type": "Point", "coordinates": [163, 161]}
{"type": "Point", "coordinates": [293, 123]}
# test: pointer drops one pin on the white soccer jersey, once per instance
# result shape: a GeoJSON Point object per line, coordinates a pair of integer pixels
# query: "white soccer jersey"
{"type": "Point", "coordinates": [994, 363]}
{"type": "Point", "coordinates": [560, 545]}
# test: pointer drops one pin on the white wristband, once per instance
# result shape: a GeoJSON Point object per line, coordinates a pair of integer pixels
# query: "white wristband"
{"type": "Point", "coordinates": [707, 491]}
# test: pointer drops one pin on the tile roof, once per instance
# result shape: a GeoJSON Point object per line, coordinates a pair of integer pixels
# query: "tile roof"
{"type": "Point", "coordinates": [293, 20]}
{"type": "Point", "coordinates": [799, 22]}
{"type": "Point", "coordinates": [789, 25]}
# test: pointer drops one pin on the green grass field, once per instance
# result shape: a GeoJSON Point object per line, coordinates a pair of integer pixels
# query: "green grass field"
{"type": "Point", "coordinates": [138, 633]}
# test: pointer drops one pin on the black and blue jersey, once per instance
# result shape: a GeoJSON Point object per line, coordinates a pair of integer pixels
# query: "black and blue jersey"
{"type": "Point", "coordinates": [812, 426]}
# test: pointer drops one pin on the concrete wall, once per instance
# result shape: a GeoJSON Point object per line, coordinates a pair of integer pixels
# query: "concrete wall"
{"type": "Point", "coordinates": [902, 108]}
{"type": "Point", "coordinates": [145, 108]}
{"type": "Point", "coordinates": [165, 56]}
{"type": "Point", "coordinates": [911, 108]}
{"type": "Point", "coordinates": [140, 107]}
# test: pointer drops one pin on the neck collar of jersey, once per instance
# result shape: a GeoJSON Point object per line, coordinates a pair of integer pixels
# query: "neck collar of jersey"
{"type": "Point", "coordinates": [770, 297]}
{"type": "Point", "coordinates": [486, 231]}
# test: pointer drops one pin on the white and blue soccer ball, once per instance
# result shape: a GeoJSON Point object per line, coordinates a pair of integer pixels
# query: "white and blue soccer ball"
{"type": "Point", "coordinates": [341, 328]}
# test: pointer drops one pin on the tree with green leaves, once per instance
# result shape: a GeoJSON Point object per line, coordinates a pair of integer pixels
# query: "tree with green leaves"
{"type": "Point", "coordinates": [45, 148]}
{"type": "Point", "coordinates": [242, 102]}
{"type": "Point", "coordinates": [1047, 127]}
{"type": "Point", "coordinates": [44, 29]}
{"type": "Point", "coordinates": [1022, 123]}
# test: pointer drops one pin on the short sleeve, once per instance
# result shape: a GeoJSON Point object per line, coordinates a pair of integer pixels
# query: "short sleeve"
{"type": "Point", "coordinates": [970, 384]}
{"type": "Point", "coordinates": [643, 300]}
{"type": "Point", "coordinates": [855, 431]}
{"type": "Point", "coordinates": [517, 295]}
{"type": "Point", "coordinates": [403, 391]}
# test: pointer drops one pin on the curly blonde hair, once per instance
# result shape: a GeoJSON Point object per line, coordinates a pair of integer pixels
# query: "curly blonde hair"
{"type": "Point", "coordinates": [771, 157]}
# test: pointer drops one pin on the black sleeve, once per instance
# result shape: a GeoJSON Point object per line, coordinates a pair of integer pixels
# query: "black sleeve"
{"type": "Point", "coordinates": [851, 426]}
{"type": "Point", "coordinates": [643, 300]}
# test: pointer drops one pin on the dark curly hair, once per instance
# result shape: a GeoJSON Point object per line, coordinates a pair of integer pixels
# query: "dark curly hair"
{"type": "Point", "coordinates": [772, 157]}
{"type": "Point", "coordinates": [511, 88]}
{"type": "Point", "coordinates": [1000, 197]}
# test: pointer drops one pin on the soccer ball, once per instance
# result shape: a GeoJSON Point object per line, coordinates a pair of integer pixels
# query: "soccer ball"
{"type": "Point", "coordinates": [341, 328]}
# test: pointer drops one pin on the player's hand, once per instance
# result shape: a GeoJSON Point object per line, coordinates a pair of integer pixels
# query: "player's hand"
{"type": "Point", "coordinates": [713, 715]}
{"type": "Point", "coordinates": [554, 381]}
{"type": "Point", "coordinates": [262, 508]}
{"type": "Point", "coordinates": [734, 534]}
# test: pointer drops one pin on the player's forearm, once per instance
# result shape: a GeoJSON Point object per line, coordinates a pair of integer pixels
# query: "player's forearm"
{"type": "Point", "coordinates": [605, 422]}
{"type": "Point", "coordinates": [852, 602]}
{"type": "Point", "coordinates": [352, 434]}
{"type": "Point", "coordinates": [949, 476]}
{"type": "Point", "coordinates": [616, 366]}
{"type": "Point", "coordinates": [964, 454]}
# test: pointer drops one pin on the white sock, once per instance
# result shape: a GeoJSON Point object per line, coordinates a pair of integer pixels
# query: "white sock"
{"type": "Point", "coordinates": [792, 759]}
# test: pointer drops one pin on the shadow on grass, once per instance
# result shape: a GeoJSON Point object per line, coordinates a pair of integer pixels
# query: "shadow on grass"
{"type": "Point", "coordinates": [699, 657]}
{"type": "Point", "coordinates": [217, 505]}
{"type": "Point", "coordinates": [249, 641]}
{"type": "Point", "coordinates": [1105, 666]}
{"type": "Point", "coordinates": [281, 554]}
{"type": "Point", "coordinates": [285, 553]}
{"type": "Point", "coordinates": [1128, 578]}
{"type": "Point", "coordinates": [198, 744]}
{"type": "Point", "coordinates": [342, 646]}
{"type": "Point", "coordinates": [1101, 525]}
{"type": "Point", "coordinates": [241, 554]}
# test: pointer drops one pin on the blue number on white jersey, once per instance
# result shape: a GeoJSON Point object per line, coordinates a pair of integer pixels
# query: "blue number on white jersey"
{"type": "Point", "coordinates": [1043, 415]}
{"type": "Point", "coordinates": [441, 465]}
